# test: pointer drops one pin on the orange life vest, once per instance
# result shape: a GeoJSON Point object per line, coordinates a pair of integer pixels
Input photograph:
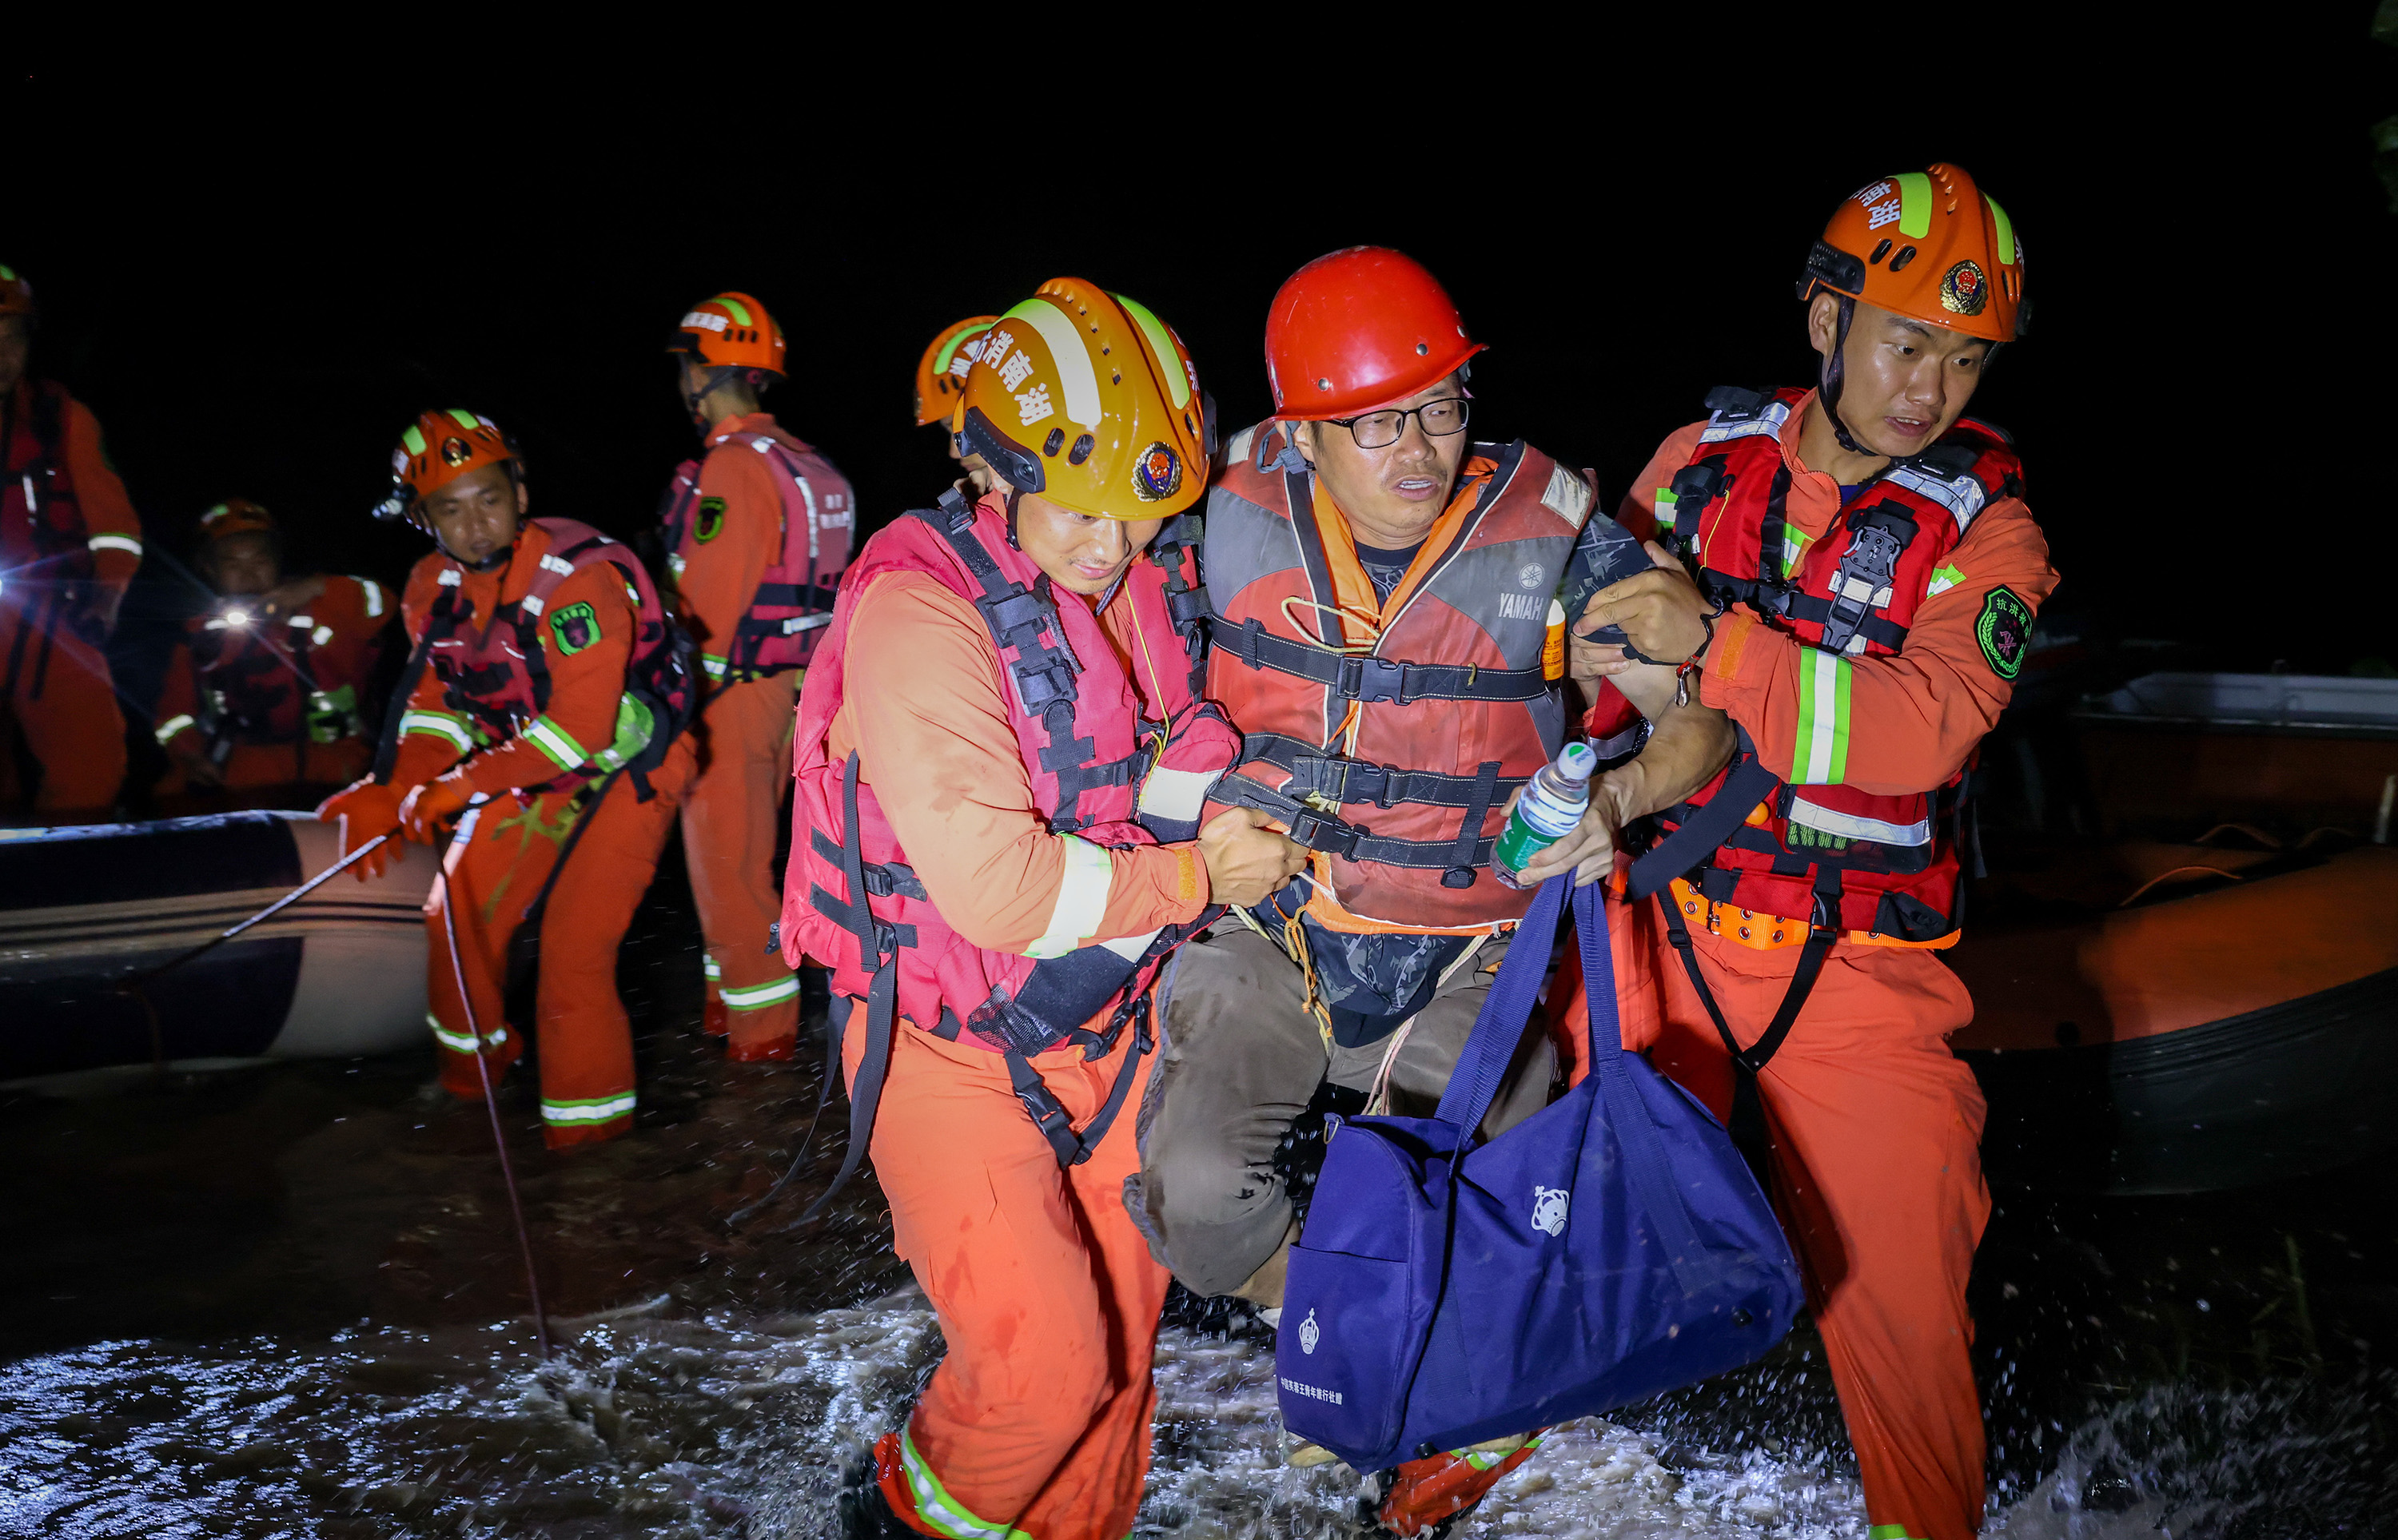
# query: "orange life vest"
{"type": "Point", "coordinates": [1390, 746]}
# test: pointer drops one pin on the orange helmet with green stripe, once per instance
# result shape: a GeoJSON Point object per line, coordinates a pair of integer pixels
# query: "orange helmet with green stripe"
{"type": "Point", "coordinates": [1087, 399]}
{"type": "Point", "coordinates": [1930, 246]}
{"type": "Point", "coordinates": [731, 331]}
{"type": "Point", "coordinates": [941, 373]}
{"type": "Point", "coordinates": [437, 449]}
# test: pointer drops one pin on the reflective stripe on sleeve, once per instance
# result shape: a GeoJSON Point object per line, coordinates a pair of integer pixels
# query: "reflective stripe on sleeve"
{"type": "Point", "coordinates": [172, 726]}
{"type": "Point", "coordinates": [592, 1109]}
{"type": "Point", "coordinates": [373, 591]}
{"type": "Point", "coordinates": [1082, 898]}
{"type": "Point", "coordinates": [114, 542]}
{"type": "Point", "coordinates": [709, 968]}
{"type": "Point", "coordinates": [1175, 793]}
{"type": "Point", "coordinates": [1820, 757]}
{"type": "Point", "coordinates": [758, 996]}
{"type": "Point", "coordinates": [440, 725]}
{"type": "Point", "coordinates": [546, 736]}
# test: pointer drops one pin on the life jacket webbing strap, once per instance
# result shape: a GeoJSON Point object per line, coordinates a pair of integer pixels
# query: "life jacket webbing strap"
{"type": "Point", "coordinates": [1357, 781]}
{"type": "Point", "coordinates": [1703, 830]}
{"type": "Point", "coordinates": [1462, 856]}
{"type": "Point", "coordinates": [1049, 1115]}
{"type": "Point", "coordinates": [1790, 602]}
{"type": "Point", "coordinates": [1371, 678]}
{"type": "Point", "coordinates": [882, 881]}
{"type": "Point", "coordinates": [1747, 1127]}
{"type": "Point", "coordinates": [1333, 835]}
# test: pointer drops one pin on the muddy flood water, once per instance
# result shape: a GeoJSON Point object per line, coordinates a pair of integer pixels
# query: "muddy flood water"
{"type": "Point", "coordinates": [286, 1301]}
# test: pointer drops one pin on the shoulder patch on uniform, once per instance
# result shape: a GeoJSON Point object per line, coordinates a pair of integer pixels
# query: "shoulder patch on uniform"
{"type": "Point", "coordinates": [711, 522]}
{"type": "Point", "coordinates": [575, 628]}
{"type": "Point", "coordinates": [2004, 631]}
{"type": "Point", "coordinates": [1568, 496]}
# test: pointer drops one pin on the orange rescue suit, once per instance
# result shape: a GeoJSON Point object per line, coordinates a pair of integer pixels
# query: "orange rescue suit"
{"type": "Point", "coordinates": [67, 533]}
{"type": "Point", "coordinates": [1874, 1127]}
{"type": "Point", "coordinates": [504, 850]}
{"type": "Point", "coordinates": [731, 811]}
{"type": "Point", "coordinates": [1037, 1422]}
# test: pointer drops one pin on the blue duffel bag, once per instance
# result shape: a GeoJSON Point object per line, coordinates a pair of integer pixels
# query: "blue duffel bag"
{"type": "Point", "coordinates": [1612, 1246]}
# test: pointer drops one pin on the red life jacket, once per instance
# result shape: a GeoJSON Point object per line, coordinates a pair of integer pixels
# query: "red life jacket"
{"type": "Point", "coordinates": [794, 599]}
{"type": "Point", "coordinates": [1888, 863]}
{"type": "Point", "coordinates": [1099, 773]}
{"type": "Point", "coordinates": [497, 674]}
{"type": "Point", "coordinates": [248, 694]}
{"type": "Point", "coordinates": [1453, 707]}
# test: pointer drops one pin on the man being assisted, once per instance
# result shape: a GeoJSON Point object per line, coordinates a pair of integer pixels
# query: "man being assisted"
{"type": "Point", "coordinates": [1870, 574]}
{"type": "Point", "coordinates": [999, 767]}
{"type": "Point", "coordinates": [1390, 599]}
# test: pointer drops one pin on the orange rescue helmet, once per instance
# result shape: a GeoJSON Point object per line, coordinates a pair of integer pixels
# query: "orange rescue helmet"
{"type": "Point", "coordinates": [1930, 246]}
{"type": "Point", "coordinates": [236, 515]}
{"type": "Point", "coordinates": [941, 373]}
{"type": "Point", "coordinates": [731, 331]}
{"type": "Point", "coordinates": [437, 449]}
{"type": "Point", "coordinates": [1359, 330]}
{"type": "Point", "coordinates": [1089, 400]}
{"type": "Point", "coordinates": [16, 294]}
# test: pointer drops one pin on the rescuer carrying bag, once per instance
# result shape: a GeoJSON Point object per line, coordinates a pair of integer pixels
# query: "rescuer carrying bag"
{"type": "Point", "coordinates": [1612, 1246]}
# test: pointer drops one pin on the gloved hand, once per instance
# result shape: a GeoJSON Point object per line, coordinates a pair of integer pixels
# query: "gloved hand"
{"type": "Point", "coordinates": [431, 806]}
{"type": "Point", "coordinates": [365, 810]}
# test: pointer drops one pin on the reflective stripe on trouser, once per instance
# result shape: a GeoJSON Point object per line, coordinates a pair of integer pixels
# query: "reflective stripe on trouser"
{"type": "Point", "coordinates": [1037, 1421]}
{"type": "Point", "coordinates": [729, 820]}
{"type": "Point", "coordinates": [73, 726]}
{"type": "Point", "coordinates": [1876, 1130]}
{"type": "Point", "coordinates": [497, 863]}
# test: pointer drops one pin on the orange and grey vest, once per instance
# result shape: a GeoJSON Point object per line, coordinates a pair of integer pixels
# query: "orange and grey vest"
{"type": "Point", "coordinates": [1811, 845]}
{"type": "Point", "coordinates": [1395, 760]}
{"type": "Point", "coordinates": [794, 599]}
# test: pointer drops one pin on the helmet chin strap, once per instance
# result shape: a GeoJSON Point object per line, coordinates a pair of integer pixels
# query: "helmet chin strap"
{"type": "Point", "coordinates": [1013, 494]}
{"type": "Point", "coordinates": [1828, 379]}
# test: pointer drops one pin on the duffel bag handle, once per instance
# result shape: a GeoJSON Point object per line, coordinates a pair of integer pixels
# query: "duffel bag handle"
{"type": "Point", "coordinates": [1513, 997]}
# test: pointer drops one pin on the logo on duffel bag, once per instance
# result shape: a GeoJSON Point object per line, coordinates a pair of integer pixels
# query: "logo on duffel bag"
{"type": "Point", "coordinates": [1309, 1334]}
{"type": "Point", "coordinates": [1549, 1205]}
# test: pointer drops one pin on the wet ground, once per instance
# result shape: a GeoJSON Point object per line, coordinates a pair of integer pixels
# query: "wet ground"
{"type": "Point", "coordinates": [288, 1301]}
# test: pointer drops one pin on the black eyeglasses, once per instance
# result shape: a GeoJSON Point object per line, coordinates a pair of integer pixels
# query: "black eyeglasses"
{"type": "Point", "coordinates": [1379, 430]}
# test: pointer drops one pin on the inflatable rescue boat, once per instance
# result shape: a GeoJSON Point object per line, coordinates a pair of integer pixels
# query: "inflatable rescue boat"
{"type": "Point", "coordinates": [83, 910]}
{"type": "Point", "coordinates": [2218, 1010]}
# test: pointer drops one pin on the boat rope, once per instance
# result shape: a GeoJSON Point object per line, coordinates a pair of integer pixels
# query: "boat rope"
{"type": "Point", "coordinates": [491, 1105]}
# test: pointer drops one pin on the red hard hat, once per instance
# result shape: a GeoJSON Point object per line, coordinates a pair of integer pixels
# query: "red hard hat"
{"type": "Point", "coordinates": [1357, 330]}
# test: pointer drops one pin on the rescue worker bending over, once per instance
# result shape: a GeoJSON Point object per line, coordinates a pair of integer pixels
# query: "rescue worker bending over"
{"type": "Point", "coordinates": [546, 697]}
{"type": "Point", "coordinates": [757, 533]}
{"type": "Point", "coordinates": [1868, 575]}
{"type": "Point", "coordinates": [261, 706]}
{"type": "Point", "coordinates": [1389, 601]}
{"type": "Point", "coordinates": [941, 381]}
{"type": "Point", "coordinates": [69, 544]}
{"type": "Point", "coordinates": [999, 765]}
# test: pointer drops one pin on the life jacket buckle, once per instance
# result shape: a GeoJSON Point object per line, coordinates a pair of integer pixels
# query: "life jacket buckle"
{"type": "Point", "coordinates": [1322, 832]}
{"type": "Point", "coordinates": [1372, 680]}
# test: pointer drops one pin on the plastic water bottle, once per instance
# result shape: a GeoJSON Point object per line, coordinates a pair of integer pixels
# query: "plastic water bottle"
{"type": "Point", "coordinates": [1547, 811]}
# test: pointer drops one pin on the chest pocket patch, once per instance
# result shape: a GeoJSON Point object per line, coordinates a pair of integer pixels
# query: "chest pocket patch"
{"type": "Point", "coordinates": [711, 522]}
{"type": "Point", "coordinates": [574, 628]}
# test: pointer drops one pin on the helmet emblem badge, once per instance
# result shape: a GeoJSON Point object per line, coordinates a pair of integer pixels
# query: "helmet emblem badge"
{"type": "Point", "coordinates": [454, 451]}
{"type": "Point", "coordinates": [1157, 474]}
{"type": "Point", "coordinates": [1964, 289]}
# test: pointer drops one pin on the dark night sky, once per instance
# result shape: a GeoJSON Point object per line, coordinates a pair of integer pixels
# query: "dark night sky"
{"type": "Point", "coordinates": [255, 303]}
